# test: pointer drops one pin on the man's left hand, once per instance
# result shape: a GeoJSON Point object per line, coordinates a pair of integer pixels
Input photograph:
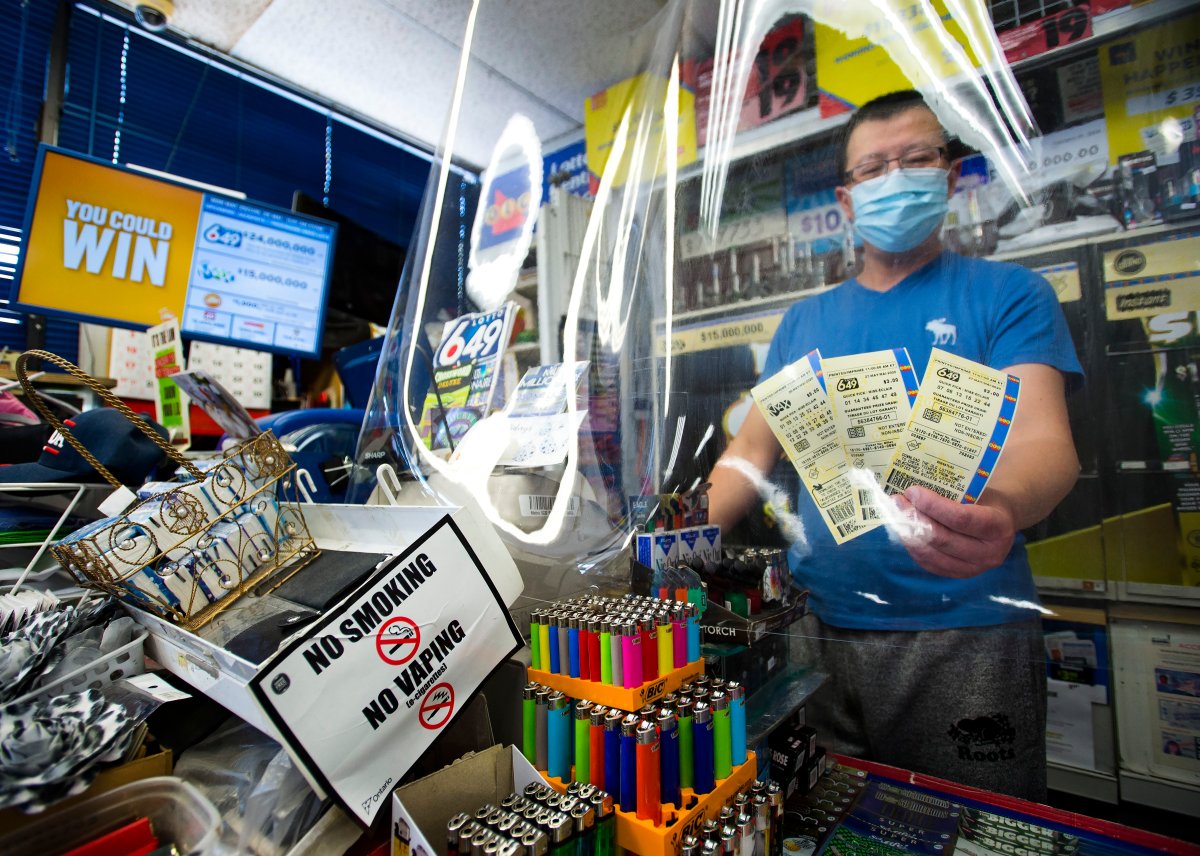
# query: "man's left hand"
{"type": "Point", "coordinates": [965, 541]}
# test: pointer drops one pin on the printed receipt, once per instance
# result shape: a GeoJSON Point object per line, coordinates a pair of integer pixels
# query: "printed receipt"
{"type": "Point", "coordinates": [957, 429]}
{"type": "Point", "coordinates": [872, 397]}
{"type": "Point", "coordinates": [796, 407]}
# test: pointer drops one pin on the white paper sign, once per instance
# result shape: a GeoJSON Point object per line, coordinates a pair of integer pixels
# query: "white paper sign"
{"type": "Point", "coordinates": [365, 690]}
{"type": "Point", "coordinates": [1069, 737]}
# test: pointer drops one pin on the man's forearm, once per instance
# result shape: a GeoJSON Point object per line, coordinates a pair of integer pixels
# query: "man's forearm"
{"type": "Point", "coordinates": [731, 495]}
{"type": "Point", "coordinates": [1031, 485]}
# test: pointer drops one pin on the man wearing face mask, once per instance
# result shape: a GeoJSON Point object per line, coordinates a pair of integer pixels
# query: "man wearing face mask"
{"type": "Point", "coordinates": [933, 648]}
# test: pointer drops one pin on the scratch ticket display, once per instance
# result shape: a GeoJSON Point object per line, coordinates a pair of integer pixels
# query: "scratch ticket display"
{"type": "Point", "coordinates": [872, 396]}
{"type": "Point", "coordinates": [796, 407]}
{"type": "Point", "coordinates": [957, 429]}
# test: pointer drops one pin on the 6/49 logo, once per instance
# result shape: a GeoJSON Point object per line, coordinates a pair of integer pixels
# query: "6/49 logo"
{"type": "Point", "coordinates": [847, 383]}
{"type": "Point", "coordinates": [218, 234]}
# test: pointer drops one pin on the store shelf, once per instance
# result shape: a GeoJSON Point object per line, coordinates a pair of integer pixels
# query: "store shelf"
{"type": "Point", "coordinates": [1168, 595]}
{"type": "Point", "coordinates": [1082, 783]}
{"type": "Point", "coordinates": [1159, 793]}
{"type": "Point", "coordinates": [1093, 589]}
{"type": "Point", "coordinates": [786, 131]}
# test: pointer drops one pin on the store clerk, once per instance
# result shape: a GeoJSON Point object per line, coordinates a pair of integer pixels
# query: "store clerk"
{"type": "Point", "coordinates": [934, 650]}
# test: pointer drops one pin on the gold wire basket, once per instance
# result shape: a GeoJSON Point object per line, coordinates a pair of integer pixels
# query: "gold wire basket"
{"type": "Point", "coordinates": [191, 551]}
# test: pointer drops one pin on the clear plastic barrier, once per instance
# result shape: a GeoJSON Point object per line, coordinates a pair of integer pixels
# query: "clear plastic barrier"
{"type": "Point", "coordinates": [735, 220]}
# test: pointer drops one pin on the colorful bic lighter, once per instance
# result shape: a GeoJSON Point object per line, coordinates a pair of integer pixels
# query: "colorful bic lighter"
{"type": "Point", "coordinates": [625, 642]}
{"type": "Point", "coordinates": [692, 740]}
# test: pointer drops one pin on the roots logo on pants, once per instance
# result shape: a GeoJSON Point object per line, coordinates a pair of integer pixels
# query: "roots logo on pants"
{"type": "Point", "coordinates": [984, 738]}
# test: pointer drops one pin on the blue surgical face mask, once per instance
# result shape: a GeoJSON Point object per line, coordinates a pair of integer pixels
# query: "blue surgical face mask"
{"type": "Point", "coordinates": [897, 211]}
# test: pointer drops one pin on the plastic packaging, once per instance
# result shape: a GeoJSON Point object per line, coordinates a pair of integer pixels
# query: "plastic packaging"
{"type": "Point", "coordinates": [124, 662]}
{"type": "Point", "coordinates": [264, 801]}
{"type": "Point", "coordinates": [179, 814]}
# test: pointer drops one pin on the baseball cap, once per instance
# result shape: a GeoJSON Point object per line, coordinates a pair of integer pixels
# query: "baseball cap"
{"type": "Point", "coordinates": [116, 442]}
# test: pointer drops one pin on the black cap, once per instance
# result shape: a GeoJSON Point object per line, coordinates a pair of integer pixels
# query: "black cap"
{"type": "Point", "coordinates": [116, 442]}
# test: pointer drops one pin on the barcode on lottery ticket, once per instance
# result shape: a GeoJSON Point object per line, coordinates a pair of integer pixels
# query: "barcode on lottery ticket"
{"type": "Point", "coordinates": [899, 482]}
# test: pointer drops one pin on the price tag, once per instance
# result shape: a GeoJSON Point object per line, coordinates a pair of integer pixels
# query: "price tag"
{"type": "Point", "coordinates": [758, 329]}
{"type": "Point", "coordinates": [1048, 33]}
{"type": "Point", "coordinates": [1176, 96]}
{"type": "Point", "coordinates": [821, 222]}
{"type": "Point", "coordinates": [1070, 148]}
{"type": "Point", "coordinates": [777, 82]}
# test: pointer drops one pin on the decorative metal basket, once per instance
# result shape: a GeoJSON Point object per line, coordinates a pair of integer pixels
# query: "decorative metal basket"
{"type": "Point", "coordinates": [192, 550]}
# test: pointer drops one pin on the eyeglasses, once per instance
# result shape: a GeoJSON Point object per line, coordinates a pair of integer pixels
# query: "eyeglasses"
{"type": "Point", "coordinates": [918, 158]}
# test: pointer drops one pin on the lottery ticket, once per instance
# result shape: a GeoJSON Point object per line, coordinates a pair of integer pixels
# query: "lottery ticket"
{"type": "Point", "coordinates": [872, 397]}
{"type": "Point", "coordinates": [795, 405]}
{"type": "Point", "coordinates": [957, 429]}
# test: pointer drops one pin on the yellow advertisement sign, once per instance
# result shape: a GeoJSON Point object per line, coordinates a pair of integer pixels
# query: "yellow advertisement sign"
{"type": "Point", "coordinates": [107, 243]}
{"type": "Point", "coordinates": [867, 50]}
{"type": "Point", "coordinates": [755, 330]}
{"type": "Point", "coordinates": [1151, 85]}
{"type": "Point", "coordinates": [642, 98]}
{"type": "Point", "coordinates": [1153, 278]}
{"type": "Point", "coordinates": [1064, 279]}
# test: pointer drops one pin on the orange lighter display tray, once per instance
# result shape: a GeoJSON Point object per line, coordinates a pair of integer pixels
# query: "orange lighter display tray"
{"type": "Point", "coordinates": [648, 839]}
{"type": "Point", "coordinates": [619, 697]}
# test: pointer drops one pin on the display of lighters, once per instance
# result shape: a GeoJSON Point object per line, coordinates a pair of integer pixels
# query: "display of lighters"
{"type": "Point", "coordinates": [540, 735]}
{"type": "Point", "coordinates": [617, 655]}
{"type": "Point", "coordinates": [552, 653]}
{"type": "Point", "coordinates": [648, 627]}
{"type": "Point", "coordinates": [537, 822]}
{"type": "Point", "coordinates": [589, 638]}
{"type": "Point", "coordinates": [628, 793]}
{"type": "Point", "coordinates": [631, 654]}
{"type": "Point", "coordinates": [558, 736]}
{"type": "Point", "coordinates": [702, 749]}
{"type": "Point", "coordinates": [722, 739]}
{"type": "Point", "coordinates": [668, 739]}
{"type": "Point", "coordinates": [606, 662]}
{"type": "Point", "coordinates": [529, 722]}
{"type": "Point", "coordinates": [535, 646]}
{"type": "Point", "coordinates": [666, 642]}
{"type": "Point", "coordinates": [596, 746]}
{"type": "Point", "coordinates": [737, 722]}
{"type": "Point", "coordinates": [573, 646]}
{"type": "Point", "coordinates": [686, 744]}
{"type": "Point", "coordinates": [583, 740]}
{"type": "Point", "coordinates": [612, 750]}
{"type": "Point", "coordinates": [648, 773]}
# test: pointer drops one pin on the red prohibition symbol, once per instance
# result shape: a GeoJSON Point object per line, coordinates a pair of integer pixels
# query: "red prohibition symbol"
{"type": "Point", "coordinates": [398, 640]}
{"type": "Point", "coordinates": [436, 707]}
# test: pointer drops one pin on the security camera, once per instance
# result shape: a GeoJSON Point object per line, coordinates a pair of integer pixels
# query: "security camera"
{"type": "Point", "coordinates": [154, 15]}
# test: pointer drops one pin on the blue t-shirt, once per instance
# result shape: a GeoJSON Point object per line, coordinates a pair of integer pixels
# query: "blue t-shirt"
{"type": "Point", "coordinates": [993, 313]}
